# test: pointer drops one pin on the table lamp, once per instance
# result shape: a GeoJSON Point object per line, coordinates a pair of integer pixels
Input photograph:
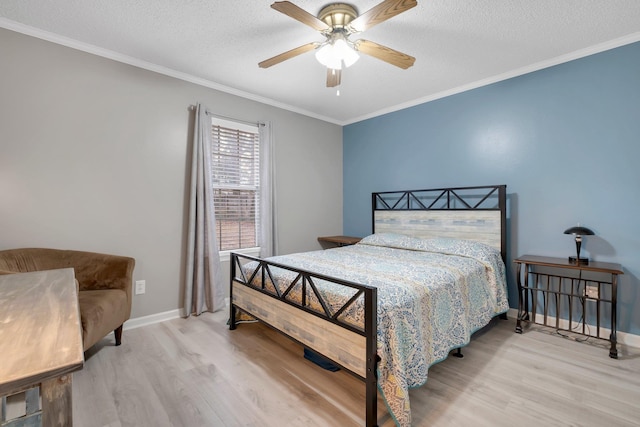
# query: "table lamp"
{"type": "Point", "coordinates": [578, 231]}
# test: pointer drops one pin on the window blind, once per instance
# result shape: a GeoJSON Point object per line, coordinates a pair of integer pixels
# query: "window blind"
{"type": "Point", "coordinates": [236, 183]}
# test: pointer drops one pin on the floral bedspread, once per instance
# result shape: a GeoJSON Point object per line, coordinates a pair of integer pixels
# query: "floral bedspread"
{"type": "Point", "coordinates": [432, 295]}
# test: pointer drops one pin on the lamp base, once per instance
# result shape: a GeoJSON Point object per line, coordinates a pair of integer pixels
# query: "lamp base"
{"type": "Point", "coordinates": [578, 261]}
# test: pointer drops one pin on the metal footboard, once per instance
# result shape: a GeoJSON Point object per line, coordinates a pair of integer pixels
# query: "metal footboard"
{"type": "Point", "coordinates": [321, 328]}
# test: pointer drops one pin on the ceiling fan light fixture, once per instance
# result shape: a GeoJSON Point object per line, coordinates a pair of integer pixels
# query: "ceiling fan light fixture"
{"type": "Point", "coordinates": [327, 57]}
{"type": "Point", "coordinates": [346, 52]}
{"type": "Point", "coordinates": [336, 51]}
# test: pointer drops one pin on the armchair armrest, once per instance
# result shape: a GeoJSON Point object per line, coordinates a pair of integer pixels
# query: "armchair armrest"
{"type": "Point", "coordinates": [95, 271]}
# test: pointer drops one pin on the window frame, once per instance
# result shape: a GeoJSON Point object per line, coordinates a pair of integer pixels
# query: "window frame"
{"type": "Point", "coordinates": [230, 124]}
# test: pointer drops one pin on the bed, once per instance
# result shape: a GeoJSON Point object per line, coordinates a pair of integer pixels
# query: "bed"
{"type": "Point", "coordinates": [386, 309]}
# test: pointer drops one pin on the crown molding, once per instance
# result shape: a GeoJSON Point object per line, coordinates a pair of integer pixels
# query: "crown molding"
{"type": "Point", "coordinates": [115, 56]}
{"type": "Point", "coordinates": [591, 50]}
{"type": "Point", "coordinates": [129, 60]}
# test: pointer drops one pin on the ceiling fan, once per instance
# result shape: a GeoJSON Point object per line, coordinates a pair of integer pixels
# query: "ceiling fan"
{"type": "Point", "coordinates": [336, 22]}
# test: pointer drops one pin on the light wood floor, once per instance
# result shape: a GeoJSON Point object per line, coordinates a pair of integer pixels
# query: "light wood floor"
{"type": "Point", "coordinates": [195, 372]}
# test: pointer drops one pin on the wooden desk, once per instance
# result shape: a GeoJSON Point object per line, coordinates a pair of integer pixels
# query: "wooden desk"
{"type": "Point", "coordinates": [41, 340]}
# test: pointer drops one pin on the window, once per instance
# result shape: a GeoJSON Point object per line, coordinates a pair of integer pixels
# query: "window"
{"type": "Point", "coordinates": [236, 184]}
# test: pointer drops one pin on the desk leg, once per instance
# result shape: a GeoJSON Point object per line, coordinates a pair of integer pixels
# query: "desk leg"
{"type": "Point", "coordinates": [56, 402]}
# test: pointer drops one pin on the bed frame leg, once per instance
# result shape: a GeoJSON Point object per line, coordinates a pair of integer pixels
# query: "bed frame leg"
{"type": "Point", "coordinates": [372, 392]}
{"type": "Point", "coordinates": [503, 316]}
{"type": "Point", "coordinates": [458, 353]}
{"type": "Point", "coordinates": [232, 317]}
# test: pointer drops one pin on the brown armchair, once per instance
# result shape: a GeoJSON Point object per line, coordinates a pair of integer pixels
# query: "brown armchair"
{"type": "Point", "coordinates": [104, 284]}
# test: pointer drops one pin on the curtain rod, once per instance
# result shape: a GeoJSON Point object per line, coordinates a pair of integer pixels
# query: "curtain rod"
{"type": "Point", "coordinates": [219, 116]}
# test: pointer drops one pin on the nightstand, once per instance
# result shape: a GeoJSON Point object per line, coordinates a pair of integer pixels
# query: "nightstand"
{"type": "Point", "coordinates": [339, 240]}
{"type": "Point", "coordinates": [556, 293]}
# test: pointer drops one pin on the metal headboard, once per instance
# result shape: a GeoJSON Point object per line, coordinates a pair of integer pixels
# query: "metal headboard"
{"type": "Point", "coordinates": [473, 213]}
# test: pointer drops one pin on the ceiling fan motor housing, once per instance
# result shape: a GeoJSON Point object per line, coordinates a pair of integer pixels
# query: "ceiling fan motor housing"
{"type": "Point", "coordinates": [338, 15]}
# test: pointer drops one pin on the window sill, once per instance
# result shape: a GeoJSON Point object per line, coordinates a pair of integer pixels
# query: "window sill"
{"type": "Point", "coordinates": [226, 255]}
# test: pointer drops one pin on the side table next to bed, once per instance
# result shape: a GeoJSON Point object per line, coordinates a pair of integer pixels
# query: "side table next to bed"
{"type": "Point", "coordinates": [339, 240]}
{"type": "Point", "coordinates": [556, 293]}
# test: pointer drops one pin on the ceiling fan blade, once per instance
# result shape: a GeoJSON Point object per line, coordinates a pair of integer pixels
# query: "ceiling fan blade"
{"type": "Point", "coordinates": [385, 54]}
{"type": "Point", "coordinates": [380, 13]}
{"type": "Point", "coordinates": [299, 14]}
{"type": "Point", "coordinates": [287, 55]}
{"type": "Point", "coordinates": [333, 77]}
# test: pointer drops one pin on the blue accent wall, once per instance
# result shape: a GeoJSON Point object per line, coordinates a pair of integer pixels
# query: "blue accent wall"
{"type": "Point", "coordinates": [565, 140]}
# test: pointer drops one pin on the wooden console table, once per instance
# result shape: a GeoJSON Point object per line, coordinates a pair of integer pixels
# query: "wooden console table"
{"type": "Point", "coordinates": [41, 342]}
{"type": "Point", "coordinates": [556, 293]}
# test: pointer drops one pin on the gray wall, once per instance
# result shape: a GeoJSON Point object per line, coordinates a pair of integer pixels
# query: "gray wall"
{"type": "Point", "coordinates": [94, 153]}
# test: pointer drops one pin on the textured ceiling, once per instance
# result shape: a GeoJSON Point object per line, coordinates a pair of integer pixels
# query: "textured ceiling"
{"type": "Point", "coordinates": [458, 44]}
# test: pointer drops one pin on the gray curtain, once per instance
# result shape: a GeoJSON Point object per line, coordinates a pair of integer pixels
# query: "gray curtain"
{"type": "Point", "coordinates": [203, 282]}
{"type": "Point", "coordinates": [268, 237]}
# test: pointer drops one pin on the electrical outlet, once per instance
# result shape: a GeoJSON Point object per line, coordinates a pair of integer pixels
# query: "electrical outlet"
{"type": "Point", "coordinates": [591, 292]}
{"type": "Point", "coordinates": [140, 287]}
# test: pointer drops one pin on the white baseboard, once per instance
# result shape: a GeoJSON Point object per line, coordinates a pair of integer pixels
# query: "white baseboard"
{"type": "Point", "coordinates": [151, 319]}
{"type": "Point", "coordinates": [625, 338]}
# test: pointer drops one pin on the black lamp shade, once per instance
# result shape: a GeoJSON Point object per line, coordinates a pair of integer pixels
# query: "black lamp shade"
{"type": "Point", "coordinates": [578, 231]}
